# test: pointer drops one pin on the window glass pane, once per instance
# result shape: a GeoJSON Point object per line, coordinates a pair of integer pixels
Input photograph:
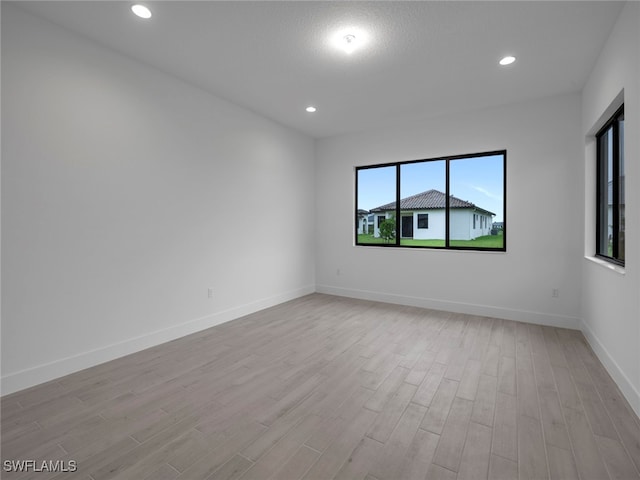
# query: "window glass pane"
{"type": "Point", "coordinates": [621, 192]}
{"type": "Point", "coordinates": [473, 216]}
{"type": "Point", "coordinates": [476, 186]}
{"type": "Point", "coordinates": [611, 208]}
{"type": "Point", "coordinates": [376, 205]}
{"type": "Point", "coordinates": [422, 195]}
{"type": "Point", "coordinates": [605, 202]}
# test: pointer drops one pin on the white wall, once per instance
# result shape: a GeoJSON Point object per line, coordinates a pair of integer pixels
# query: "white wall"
{"type": "Point", "coordinates": [543, 144]}
{"type": "Point", "coordinates": [436, 226]}
{"type": "Point", "coordinates": [462, 224]}
{"type": "Point", "coordinates": [610, 307]}
{"type": "Point", "coordinates": [126, 193]}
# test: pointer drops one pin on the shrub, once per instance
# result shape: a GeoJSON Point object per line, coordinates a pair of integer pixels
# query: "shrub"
{"type": "Point", "coordinates": [388, 230]}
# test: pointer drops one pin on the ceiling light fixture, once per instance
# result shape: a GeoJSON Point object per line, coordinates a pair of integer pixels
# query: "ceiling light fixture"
{"type": "Point", "coordinates": [349, 39]}
{"type": "Point", "coordinates": [311, 109]}
{"type": "Point", "coordinates": [141, 11]}
{"type": "Point", "coordinates": [508, 60]}
{"type": "Point", "coordinates": [350, 43]}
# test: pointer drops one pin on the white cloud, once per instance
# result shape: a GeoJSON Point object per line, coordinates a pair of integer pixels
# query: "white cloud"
{"type": "Point", "coordinates": [486, 192]}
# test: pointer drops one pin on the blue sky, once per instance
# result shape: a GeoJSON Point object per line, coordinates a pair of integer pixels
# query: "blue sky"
{"type": "Point", "coordinates": [478, 180]}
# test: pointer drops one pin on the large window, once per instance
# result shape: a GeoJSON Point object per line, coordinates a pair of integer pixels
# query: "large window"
{"type": "Point", "coordinates": [610, 219]}
{"type": "Point", "coordinates": [456, 202]}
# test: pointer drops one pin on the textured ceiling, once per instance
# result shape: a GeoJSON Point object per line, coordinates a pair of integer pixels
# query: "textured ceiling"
{"type": "Point", "coordinates": [422, 59]}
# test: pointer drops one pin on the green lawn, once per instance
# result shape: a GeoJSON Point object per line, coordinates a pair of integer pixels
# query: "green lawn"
{"type": "Point", "coordinates": [488, 241]}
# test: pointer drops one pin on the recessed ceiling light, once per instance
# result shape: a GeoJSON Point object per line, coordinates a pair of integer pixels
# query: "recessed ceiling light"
{"type": "Point", "coordinates": [311, 109]}
{"type": "Point", "coordinates": [349, 39]}
{"type": "Point", "coordinates": [141, 11]}
{"type": "Point", "coordinates": [349, 43]}
{"type": "Point", "coordinates": [508, 60]}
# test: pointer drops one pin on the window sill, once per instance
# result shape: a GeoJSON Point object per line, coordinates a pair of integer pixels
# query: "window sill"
{"type": "Point", "coordinates": [427, 249]}
{"type": "Point", "coordinates": [608, 265]}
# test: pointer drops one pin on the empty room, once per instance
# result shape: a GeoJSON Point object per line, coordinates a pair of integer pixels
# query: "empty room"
{"type": "Point", "coordinates": [445, 283]}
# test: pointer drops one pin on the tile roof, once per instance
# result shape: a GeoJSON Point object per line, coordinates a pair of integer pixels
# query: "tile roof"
{"type": "Point", "coordinates": [431, 199]}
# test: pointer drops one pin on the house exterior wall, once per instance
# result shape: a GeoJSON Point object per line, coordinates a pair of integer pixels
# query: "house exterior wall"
{"type": "Point", "coordinates": [482, 225]}
{"type": "Point", "coordinates": [461, 224]}
{"type": "Point", "coordinates": [362, 225]}
{"type": "Point", "coordinates": [436, 228]}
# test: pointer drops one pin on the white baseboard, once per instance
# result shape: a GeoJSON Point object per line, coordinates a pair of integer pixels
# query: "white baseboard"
{"type": "Point", "coordinates": [562, 321]}
{"type": "Point", "coordinates": [624, 384]}
{"type": "Point", "coordinates": [59, 368]}
{"type": "Point", "coordinates": [43, 373]}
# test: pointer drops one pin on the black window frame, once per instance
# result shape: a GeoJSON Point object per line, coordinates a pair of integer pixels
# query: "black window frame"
{"type": "Point", "coordinates": [602, 188]}
{"type": "Point", "coordinates": [397, 213]}
{"type": "Point", "coordinates": [423, 221]}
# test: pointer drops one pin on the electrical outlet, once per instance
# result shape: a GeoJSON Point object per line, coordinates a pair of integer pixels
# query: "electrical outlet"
{"type": "Point", "coordinates": [555, 293]}
{"type": "Point", "coordinates": [210, 293]}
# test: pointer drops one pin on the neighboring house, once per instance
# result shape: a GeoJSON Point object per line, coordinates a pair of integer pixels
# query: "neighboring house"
{"type": "Point", "coordinates": [363, 221]}
{"type": "Point", "coordinates": [423, 217]}
{"type": "Point", "coordinates": [610, 206]}
{"type": "Point", "coordinates": [371, 218]}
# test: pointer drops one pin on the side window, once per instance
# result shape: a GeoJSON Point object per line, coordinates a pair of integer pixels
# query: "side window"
{"type": "Point", "coordinates": [610, 211]}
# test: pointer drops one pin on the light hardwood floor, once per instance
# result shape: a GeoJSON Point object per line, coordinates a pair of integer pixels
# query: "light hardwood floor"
{"type": "Point", "coordinates": [326, 387]}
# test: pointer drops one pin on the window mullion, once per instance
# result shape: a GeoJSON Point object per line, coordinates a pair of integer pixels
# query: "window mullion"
{"type": "Point", "coordinates": [446, 205]}
{"type": "Point", "coordinates": [398, 226]}
{"type": "Point", "coordinates": [615, 201]}
{"type": "Point", "coordinates": [599, 180]}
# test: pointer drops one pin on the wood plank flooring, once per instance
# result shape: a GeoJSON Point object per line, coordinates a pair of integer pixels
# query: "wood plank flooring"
{"type": "Point", "coordinates": [325, 387]}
